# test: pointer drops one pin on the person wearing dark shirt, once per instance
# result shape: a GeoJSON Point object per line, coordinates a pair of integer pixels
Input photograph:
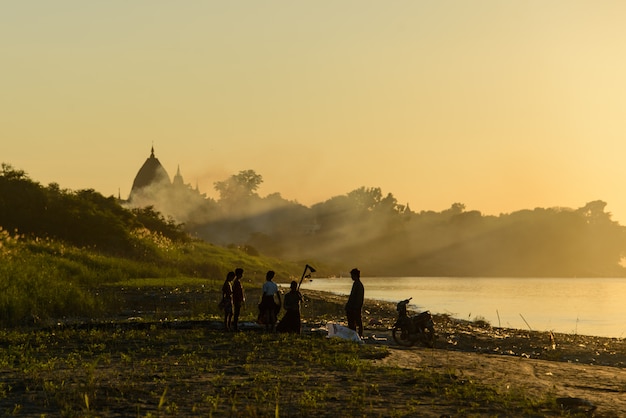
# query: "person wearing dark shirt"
{"type": "Point", "coordinates": [238, 297]}
{"type": "Point", "coordinates": [355, 303]}
{"type": "Point", "coordinates": [227, 300]}
{"type": "Point", "coordinates": [291, 320]}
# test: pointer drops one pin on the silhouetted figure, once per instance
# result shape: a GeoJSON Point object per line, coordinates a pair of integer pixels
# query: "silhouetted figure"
{"type": "Point", "coordinates": [238, 297]}
{"type": "Point", "coordinates": [291, 320]}
{"type": "Point", "coordinates": [268, 309]}
{"type": "Point", "coordinates": [355, 303]}
{"type": "Point", "coordinates": [227, 300]}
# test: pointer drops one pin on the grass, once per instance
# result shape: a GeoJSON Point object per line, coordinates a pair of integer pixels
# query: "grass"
{"type": "Point", "coordinates": [69, 347]}
{"type": "Point", "coordinates": [160, 371]}
{"type": "Point", "coordinates": [44, 280]}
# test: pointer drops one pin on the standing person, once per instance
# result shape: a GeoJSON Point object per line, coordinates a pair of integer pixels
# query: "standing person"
{"type": "Point", "coordinates": [355, 303]}
{"type": "Point", "coordinates": [291, 321]}
{"type": "Point", "coordinates": [238, 297]}
{"type": "Point", "coordinates": [227, 300]}
{"type": "Point", "coordinates": [268, 308]}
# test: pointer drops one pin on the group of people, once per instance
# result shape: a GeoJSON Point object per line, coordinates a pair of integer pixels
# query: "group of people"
{"type": "Point", "coordinates": [233, 298]}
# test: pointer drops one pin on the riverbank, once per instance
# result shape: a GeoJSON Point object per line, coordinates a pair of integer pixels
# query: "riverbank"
{"type": "Point", "coordinates": [587, 306]}
{"type": "Point", "coordinates": [588, 368]}
{"type": "Point", "coordinates": [476, 336]}
{"type": "Point", "coordinates": [563, 365]}
{"type": "Point", "coordinates": [154, 359]}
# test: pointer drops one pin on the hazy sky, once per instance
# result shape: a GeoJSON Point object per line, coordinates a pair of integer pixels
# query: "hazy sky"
{"type": "Point", "coordinates": [499, 105]}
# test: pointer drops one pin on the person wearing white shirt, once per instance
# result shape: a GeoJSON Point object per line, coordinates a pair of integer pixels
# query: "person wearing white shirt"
{"type": "Point", "coordinates": [268, 308]}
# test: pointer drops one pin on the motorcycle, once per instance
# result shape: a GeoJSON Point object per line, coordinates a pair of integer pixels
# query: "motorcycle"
{"type": "Point", "coordinates": [409, 330]}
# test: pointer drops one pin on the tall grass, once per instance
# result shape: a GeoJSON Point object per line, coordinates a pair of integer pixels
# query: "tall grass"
{"type": "Point", "coordinates": [31, 288]}
{"type": "Point", "coordinates": [43, 280]}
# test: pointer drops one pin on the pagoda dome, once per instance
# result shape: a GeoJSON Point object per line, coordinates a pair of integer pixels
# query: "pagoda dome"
{"type": "Point", "coordinates": [150, 174]}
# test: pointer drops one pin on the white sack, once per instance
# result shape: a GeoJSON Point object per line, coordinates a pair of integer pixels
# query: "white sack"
{"type": "Point", "coordinates": [339, 331]}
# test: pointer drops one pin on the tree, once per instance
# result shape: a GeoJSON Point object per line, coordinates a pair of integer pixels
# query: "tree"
{"type": "Point", "coordinates": [83, 218]}
{"type": "Point", "coordinates": [365, 198]}
{"type": "Point", "coordinates": [237, 186]}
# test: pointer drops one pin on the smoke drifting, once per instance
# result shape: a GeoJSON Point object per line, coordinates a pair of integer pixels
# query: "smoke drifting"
{"type": "Point", "coordinates": [367, 229]}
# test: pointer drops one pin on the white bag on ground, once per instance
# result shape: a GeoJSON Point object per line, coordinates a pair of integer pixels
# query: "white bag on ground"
{"type": "Point", "coordinates": [339, 331]}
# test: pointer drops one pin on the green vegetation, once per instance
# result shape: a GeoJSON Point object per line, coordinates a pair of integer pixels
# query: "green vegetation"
{"type": "Point", "coordinates": [42, 280]}
{"type": "Point", "coordinates": [58, 247]}
{"type": "Point", "coordinates": [362, 228]}
{"type": "Point", "coordinates": [158, 371]}
{"type": "Point", "coordinates": [77, 268]}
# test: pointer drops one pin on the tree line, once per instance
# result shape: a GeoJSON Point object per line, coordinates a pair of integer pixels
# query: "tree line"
{"type": "Point", "coordinates": [83, 218]}
{"type": "Point", "coordinates": [368, 228]}
{"type": "Point", "coordinates": [363, 227]}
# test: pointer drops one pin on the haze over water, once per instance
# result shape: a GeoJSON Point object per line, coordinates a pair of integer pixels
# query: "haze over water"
{"type": "Point", "coordinates": [575, 306]}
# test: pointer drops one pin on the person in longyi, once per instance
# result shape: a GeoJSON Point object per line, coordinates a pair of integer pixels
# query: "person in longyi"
{"type": "Point", "coordinates": [355, 303]}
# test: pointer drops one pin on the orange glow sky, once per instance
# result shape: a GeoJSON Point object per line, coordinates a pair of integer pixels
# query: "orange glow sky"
{"type": "Point", "coordinates": [499, 105]}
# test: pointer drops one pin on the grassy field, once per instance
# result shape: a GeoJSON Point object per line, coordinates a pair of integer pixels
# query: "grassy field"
{"type": "Point", "coordinates": [158, 370]}
{"type": "Point", "coordinates": [153, 358]}
{"type": "Point", "coordinates": [92, 336]}
{"type": "Point", "coordinates": [45, 280]}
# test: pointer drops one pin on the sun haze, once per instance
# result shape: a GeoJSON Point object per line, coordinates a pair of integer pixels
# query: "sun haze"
{"type": "Point", "coordinates": [501, 106]}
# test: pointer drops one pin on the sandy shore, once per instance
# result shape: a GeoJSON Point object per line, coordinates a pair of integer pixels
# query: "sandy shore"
{"type": "Point", "coordinates": [591, 369]}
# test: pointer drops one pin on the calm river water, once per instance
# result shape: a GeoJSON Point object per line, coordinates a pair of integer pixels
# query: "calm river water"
{"type": "Point", "coordinates": [578, 306]}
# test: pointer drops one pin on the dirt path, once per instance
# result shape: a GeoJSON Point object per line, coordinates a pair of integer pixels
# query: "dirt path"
{"type": "Point", "coordinates": [604, 386]}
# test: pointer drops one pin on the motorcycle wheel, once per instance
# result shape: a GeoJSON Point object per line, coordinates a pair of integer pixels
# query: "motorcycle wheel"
{"type": "Point", "coordinates": [429, 333]}
{"type": "Point", "coordinates": [396, 333]}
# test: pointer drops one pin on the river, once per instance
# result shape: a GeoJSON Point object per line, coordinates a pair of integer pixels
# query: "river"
{"type": "Point", "coordinates": [575, 306]}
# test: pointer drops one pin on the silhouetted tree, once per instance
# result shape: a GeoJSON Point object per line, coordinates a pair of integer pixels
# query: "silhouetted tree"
{"type": "Point", "coordinates": [363, 227]}
{"type": "Point", "coordinates": [238, 186]}
{"type": "Point", "coordinates": [83, 218]}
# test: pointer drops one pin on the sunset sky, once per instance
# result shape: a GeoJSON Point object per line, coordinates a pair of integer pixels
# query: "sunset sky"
{"type": "Point", "coordinates": [499, 105]}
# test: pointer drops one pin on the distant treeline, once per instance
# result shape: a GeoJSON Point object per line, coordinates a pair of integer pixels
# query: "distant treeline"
{"type": "Point", "coordinates": [374, 231]}
{"type": "Point", "coordinates": [362, 228]}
